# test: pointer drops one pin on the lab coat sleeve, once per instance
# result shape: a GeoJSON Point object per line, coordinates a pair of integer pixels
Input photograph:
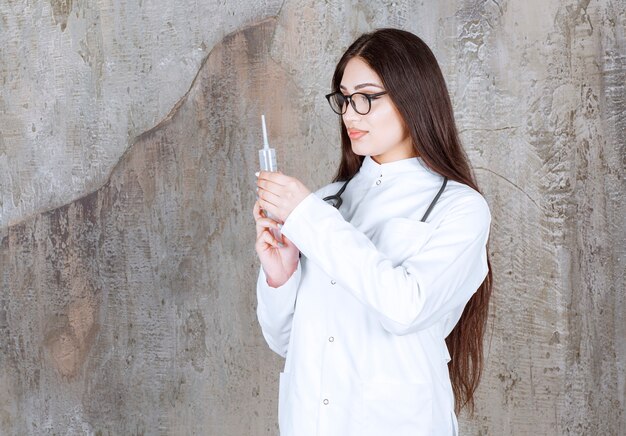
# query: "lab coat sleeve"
{"type": "Point", "coordinates": [275, 307]}
{"type": "Point", "coordinates": [440, 276]}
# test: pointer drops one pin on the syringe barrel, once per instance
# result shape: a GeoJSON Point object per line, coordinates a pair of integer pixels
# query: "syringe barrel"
{"type": "Point", "coordinates": [267, 159]}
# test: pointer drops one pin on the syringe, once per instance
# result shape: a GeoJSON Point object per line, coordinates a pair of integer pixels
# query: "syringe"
{"type": "Point", "coordinates": [267, 156]}
{"type": "Point", "coordinates": [267, 159]}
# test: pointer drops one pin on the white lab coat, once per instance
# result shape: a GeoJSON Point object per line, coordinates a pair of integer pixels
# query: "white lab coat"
{"type": "Point", "coordinates": [362, 321]}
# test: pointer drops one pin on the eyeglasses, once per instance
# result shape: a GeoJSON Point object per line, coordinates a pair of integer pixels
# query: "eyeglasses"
{"type": "Point", "coordinates": [360, 102]}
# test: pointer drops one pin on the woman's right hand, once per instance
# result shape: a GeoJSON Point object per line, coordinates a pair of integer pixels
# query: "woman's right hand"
{"type": "Point", "coordinates": [278, 262]}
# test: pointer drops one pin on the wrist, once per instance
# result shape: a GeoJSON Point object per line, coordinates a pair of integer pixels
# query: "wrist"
{"type": "Point", "coordinates": [278, 280]}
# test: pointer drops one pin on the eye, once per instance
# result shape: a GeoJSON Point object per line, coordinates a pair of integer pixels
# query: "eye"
{"type": "Point", "coordinates": [362, 98]}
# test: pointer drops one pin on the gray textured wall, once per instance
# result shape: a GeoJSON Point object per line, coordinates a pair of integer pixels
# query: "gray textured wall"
{"type": "Point", "coordinates": [128, 137]}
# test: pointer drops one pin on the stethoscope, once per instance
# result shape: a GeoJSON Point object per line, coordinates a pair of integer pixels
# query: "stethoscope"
{"type": "Point", "coordinates": [337, 201]}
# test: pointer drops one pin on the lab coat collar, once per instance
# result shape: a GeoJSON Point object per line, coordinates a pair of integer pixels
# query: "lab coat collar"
{"type": "Point", "coordinates": [371, 168]}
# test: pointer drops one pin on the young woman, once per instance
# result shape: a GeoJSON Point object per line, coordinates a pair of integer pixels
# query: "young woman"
{"type": "Point", "coordinates": [377, 293]}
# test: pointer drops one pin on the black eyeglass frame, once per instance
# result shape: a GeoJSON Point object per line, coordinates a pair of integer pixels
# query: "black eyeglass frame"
{"type": "Point", "coordinates": [348, 98]}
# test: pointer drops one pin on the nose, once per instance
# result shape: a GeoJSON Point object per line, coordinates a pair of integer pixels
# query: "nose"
{"type": "Point", "coordinates": [351, 114]}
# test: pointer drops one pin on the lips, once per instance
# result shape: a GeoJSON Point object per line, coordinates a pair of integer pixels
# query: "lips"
{"type": "Point", "coordinates": [356, 133]}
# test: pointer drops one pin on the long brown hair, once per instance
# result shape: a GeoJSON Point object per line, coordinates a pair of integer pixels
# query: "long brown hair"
{"type": "Point", "coordinates": [414, 82]}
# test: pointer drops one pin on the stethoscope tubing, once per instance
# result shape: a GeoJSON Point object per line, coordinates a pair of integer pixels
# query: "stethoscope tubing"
{"type": "Point", "coordinates": [338, 201]}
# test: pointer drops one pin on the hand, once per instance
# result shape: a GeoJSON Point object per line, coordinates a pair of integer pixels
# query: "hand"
{"type": "Point", "coordinates": [278, 262]}
{"type": "Point", "coordinates": [280, 194]}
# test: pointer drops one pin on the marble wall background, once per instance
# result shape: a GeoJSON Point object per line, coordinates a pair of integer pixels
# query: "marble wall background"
{"type": "Point", "coordinates": [128, 138]}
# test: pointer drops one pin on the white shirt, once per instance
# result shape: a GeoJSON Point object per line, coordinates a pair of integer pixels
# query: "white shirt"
{"type": "Point", "coordinates": [363, 319]}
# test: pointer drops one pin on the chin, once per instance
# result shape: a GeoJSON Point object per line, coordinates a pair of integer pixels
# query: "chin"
{"type": "Point", "coordinates": [360, 150]}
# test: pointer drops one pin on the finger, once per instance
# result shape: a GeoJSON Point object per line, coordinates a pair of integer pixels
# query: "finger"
{"type": "Point", "coordinates": [270, 209]}
{"type": "Point", "coordinates": [269, 196]}
{"type": "Point", "coordinates": [266, 241]}
{"type": "Point", "coordinates": [278, 178]}
{"type": "Point", "coordinates": [256, 211]}
{"type": "Point", "coordinates": [265, 223]}
{"type": "Point", "coordinates": [270, 186]}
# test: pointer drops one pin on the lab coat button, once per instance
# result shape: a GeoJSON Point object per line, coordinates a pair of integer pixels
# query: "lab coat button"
{"type": "Point", "coordinates": [325, 401]}
{"type": "Point", "coordinates": [378, 182]}
{"type": "Point", "coordinates": [332, 282]}
{"type": "Point", "coordinates": [331, 339]}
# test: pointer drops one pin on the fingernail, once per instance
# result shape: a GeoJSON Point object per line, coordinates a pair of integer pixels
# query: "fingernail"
{"type": "Point", "coordinates": [280, 244]}
{"type": "Point", "coordinates": [280, 226]}
{"type": "Point", "coordinates": [257, 173]}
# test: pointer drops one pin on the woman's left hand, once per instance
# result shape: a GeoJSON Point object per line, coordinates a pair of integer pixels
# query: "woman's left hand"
{"type": "Point", "coordinates": [280, 194]}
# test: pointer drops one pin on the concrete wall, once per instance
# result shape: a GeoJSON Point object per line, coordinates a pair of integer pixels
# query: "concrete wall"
{"type": "Point", "coordinates": [128, 137]}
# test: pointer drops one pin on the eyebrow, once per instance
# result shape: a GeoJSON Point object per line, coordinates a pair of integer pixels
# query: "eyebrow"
{"type": "Point", "coordinates": [362, 85]}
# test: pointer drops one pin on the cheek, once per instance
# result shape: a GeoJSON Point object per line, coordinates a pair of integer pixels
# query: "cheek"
{"type": "Point", "coordinates": [390, 127]}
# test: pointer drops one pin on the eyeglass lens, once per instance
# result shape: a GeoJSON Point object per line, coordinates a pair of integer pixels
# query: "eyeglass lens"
{"type": "Point", "coordinates": [360, 103]}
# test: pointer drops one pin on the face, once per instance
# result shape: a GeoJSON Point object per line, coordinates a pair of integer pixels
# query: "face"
{"type": "Point", "coordinates": [381, 132]}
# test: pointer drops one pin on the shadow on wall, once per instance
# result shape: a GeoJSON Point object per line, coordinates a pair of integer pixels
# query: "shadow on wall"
{"type": "Point", "coordinates": [131, 309]}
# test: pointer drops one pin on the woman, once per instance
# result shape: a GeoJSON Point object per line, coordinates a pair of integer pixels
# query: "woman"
{"type": "Point", "coordinates": [365, 289]}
